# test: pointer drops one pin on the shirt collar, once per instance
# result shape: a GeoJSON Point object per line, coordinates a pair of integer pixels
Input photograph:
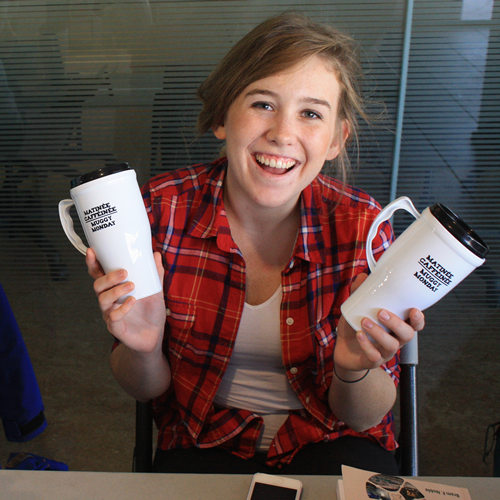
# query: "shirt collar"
{"type": "Point", "coordinates": [211, 219]}
{"type": "Point", "coordinates": [310, 242]}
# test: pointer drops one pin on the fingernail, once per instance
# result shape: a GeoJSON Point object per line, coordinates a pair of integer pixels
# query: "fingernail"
{"type": "Point", "coordinates": [128, 287]}
{"type": "Point", "coordinates": [384, 315]}
{"type": "Point", "coordinates": [122, 273]}
{"type": "Point", "coordinates": [361, 336]}
{"type": "Point", "coordinates": [417, 315]}
{"type": "Point", "coordinates": [367, 323]}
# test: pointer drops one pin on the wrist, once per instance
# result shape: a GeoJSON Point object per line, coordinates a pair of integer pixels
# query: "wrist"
{"type": "Point", "coordinates": [148, 355]}
{"type": "Point", "coordinates": [349, 376]}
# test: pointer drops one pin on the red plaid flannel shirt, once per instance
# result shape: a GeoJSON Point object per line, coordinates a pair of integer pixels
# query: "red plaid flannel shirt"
{"type": "Point", "coordinates": [204, 289]}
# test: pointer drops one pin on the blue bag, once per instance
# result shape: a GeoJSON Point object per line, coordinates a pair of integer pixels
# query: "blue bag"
{"type": "Point", "coordinates": [21, 405]}
{"type": "Point", "coordinates": [28, 461]}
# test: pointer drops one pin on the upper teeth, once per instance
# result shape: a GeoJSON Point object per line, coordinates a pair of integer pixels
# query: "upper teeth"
{"type": "Point", "coordinates": [275, 163]}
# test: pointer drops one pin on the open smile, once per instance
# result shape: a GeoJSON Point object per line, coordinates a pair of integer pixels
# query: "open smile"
{"type": "Point", "coordinates": [275, 164]}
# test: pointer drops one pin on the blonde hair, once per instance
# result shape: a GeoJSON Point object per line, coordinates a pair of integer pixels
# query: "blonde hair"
{"type": "Point", "coordinates": [274, 46]}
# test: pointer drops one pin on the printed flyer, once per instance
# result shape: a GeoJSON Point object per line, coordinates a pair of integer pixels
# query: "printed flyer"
{"type": "Point", "coordinates": [359, 484]}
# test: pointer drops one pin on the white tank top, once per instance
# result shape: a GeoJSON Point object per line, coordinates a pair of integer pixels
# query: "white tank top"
{"type": "Point", "coordinates": [255, 379]}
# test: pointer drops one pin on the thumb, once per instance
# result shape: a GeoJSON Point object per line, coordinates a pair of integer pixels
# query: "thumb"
{"type": "Point", "coordinates": [159, 265]}
{"type": "Point", "coordinates": [358, 281]}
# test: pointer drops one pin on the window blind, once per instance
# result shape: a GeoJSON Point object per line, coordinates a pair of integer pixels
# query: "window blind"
{"type": "Point", "coordinates": [88, 83]}
{"type": "Point", "coordinates": [451, 135]}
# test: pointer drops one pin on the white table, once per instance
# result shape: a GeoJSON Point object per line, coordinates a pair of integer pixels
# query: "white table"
{"type": "Point", "coordinates": [55, 485]}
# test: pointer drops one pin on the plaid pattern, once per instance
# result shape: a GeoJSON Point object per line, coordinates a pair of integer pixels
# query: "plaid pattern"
{"type": "Point", "coordinates": [204, 290]}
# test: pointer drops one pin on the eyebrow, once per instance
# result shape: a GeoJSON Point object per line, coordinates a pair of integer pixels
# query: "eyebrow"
{"type": "Point", "coordinates": [306, 100]}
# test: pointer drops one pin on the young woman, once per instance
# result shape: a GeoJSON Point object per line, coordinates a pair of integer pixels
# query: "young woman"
{"type": "Point", "coordinates": [247, 358]}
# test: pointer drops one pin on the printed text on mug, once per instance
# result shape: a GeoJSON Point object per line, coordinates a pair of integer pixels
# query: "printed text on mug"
{"type": "Point", "coordinates": [433, 274]}
{"type": "Point", "coordinates": [100, 217]}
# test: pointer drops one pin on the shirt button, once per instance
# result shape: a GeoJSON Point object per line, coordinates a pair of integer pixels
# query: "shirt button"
{"type": "Point", "coordinates": [167, 312]}
{"type": "Point", "coordinates": [292, 263]}
{"type": "Point", "coordinates": [308, 399]}
{"type": "Point", "coordinates": [294, 370]}
{"type": "Point", "coordinates": [289, 321]}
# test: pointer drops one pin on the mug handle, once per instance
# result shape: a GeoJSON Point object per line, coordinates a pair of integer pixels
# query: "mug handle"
{"type": "Point", "coordinates": [67, 224]}
{"type": "Point", "coordinates": [400, 203]}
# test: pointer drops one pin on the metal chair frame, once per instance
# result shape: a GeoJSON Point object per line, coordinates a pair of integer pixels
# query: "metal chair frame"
{"type": "Point", "coordinates": [143, 450]}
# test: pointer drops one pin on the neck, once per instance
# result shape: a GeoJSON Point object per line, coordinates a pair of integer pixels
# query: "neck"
{"type": "Point", "coordinates": [262, 219]}
{"type": "Point", "coordinates": [266, 238]}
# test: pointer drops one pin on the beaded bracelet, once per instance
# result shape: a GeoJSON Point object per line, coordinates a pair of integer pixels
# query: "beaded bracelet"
{"type": "Point", "coordinates": [350, 381]}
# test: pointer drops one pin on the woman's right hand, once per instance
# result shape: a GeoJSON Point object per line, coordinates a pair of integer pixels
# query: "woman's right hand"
{"type": "Point", "coordinates": [139, 324]}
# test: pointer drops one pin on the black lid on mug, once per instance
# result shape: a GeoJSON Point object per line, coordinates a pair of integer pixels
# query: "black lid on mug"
{"type": "Point", "coordinates": [101, 172]}
{"type": "Point", "coordinates": [460, 230]}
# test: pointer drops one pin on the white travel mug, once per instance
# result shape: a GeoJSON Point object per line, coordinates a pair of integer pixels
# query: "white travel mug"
{"type": "Point", "coordinates": [432, 256]}
{"type": "Point", "coordinates": [113, 216]}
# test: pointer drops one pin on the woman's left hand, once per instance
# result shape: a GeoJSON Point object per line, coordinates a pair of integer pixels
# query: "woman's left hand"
{"type": "Point", "coordinates": [354, 351]}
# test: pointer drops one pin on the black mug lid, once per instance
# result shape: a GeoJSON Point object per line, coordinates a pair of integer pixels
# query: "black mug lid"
{"type": "Point", "coordinates": [460, 230]}
{"type": "Point", "coordinates": [101, 172]}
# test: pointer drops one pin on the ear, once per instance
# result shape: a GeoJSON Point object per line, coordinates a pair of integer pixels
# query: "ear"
{"type": "Point", "coordinates": [219, 132]}
{"type": "Point", "coordinates": [339, 140]}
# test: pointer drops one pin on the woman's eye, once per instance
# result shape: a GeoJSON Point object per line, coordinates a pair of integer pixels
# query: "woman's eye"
{"type": "Point", "coordinates": [262, 105]}
{"type": "Point", "coordinates": [311, 114]}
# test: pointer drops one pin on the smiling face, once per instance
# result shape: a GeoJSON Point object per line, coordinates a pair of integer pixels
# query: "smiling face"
{"type": "Point", "coordinates": [279, 132]}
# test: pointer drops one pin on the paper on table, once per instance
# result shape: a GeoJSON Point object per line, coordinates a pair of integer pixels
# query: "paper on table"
{"type": "Point", "coordinates": [357, 484]}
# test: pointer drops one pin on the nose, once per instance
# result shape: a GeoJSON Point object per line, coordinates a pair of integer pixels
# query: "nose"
{"type": "Point", "coordinates": [281, 130]}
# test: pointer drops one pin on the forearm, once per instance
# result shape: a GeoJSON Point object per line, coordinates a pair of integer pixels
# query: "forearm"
{"type": "Point", "coordinates": [143, 376]}
{"type": "Point", "coordinates": [362, 404]}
